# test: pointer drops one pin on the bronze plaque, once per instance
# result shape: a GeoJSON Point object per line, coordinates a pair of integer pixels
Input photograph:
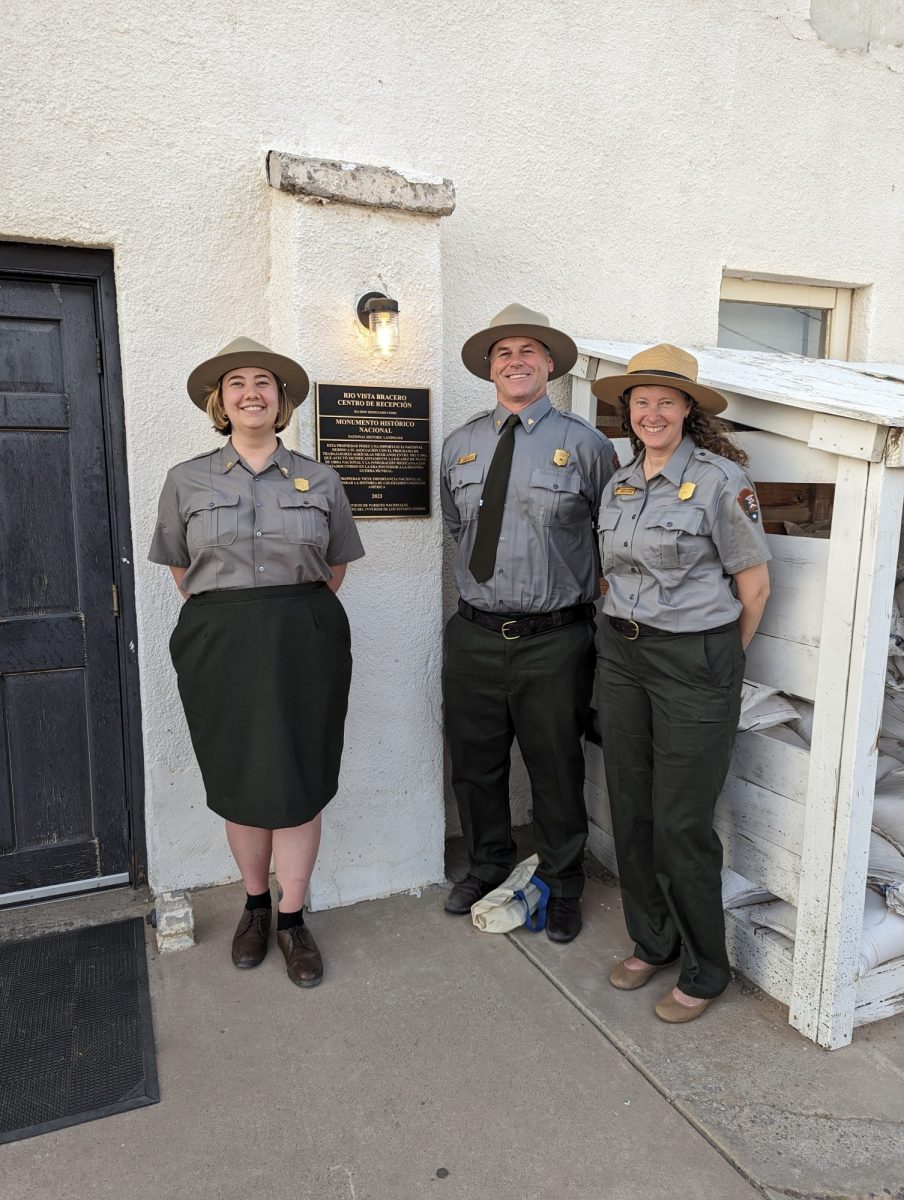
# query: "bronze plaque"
{"type": "Point", "coordinates": [378, 442]}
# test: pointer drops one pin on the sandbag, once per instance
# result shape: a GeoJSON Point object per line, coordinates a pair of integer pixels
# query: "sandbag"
{"type": "Point", "coordinates": [763, 707]}
{"type": "Point", "coordinates": [881, 941]}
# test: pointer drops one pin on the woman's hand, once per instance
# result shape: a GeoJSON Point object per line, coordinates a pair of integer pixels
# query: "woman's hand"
{"type": "Point", "coordinates": [178, 574]}
{"type": "Point", "coordinates": [753, 591]}
{"type": "Point", "coordinates": [335, 582]}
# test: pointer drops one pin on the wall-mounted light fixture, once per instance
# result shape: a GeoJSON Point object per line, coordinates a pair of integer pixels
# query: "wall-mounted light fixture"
{"type": "Point", "coordinates": [380, 314]}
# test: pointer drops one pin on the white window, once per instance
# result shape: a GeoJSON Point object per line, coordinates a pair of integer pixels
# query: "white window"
{"type": "Point", "coordinates": [795, 318]}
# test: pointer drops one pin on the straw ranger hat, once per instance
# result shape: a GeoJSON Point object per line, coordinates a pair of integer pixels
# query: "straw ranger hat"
{"type": "Point", "coordinates": [518, 321]}
{"type": "Point", "coordinates": [243, 352]}
{"type": "Point", "coordinates": [665, 365]}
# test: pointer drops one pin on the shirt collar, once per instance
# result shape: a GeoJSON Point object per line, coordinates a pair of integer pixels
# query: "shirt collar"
{"type": "Point", "coordinates": [530, 416]}
{"type": "Point", "coordinates": [673, 470]}
{"type": "Point", "coordinates": [281, 458]}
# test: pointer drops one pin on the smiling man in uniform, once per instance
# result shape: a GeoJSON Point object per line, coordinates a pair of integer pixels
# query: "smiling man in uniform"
{"type": "Point", "coordinates": [520, 488]}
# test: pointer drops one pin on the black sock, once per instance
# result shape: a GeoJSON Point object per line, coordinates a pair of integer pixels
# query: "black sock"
{"type": "Point", "coordinates": [261, 901]}
{"type": "Point", "coordinates": [289, 920]}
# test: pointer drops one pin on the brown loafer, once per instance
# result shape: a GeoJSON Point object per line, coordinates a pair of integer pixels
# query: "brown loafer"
{"type": "Point", "coordinates": [626, 980]}
{"type": "Point", "coordinates": [670, 1010]}
{"type": "Point", "coordinates": [304, 966]}
{"type": "Point", "coordinates": [249, 942]}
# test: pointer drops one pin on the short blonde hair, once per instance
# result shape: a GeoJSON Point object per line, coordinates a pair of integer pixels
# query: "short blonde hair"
{"type": "Point", "coordinates": [221, 423]}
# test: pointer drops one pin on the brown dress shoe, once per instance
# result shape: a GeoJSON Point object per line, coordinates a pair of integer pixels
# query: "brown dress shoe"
{"type": "Point", "coordinates": [626, 979]}
{"type": "Point", "coordinates": [304, 966]}
{"type": "Point", "coordinates": [674, 1013]}
{"type": "Point", "coordinates": [249, 942]}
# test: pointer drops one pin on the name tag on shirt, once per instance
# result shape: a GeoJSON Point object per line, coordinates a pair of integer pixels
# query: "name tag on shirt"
{"type": "Point", "coordinates": [625, 491]}
{"type": "Point", "coordinates": [466, 458]}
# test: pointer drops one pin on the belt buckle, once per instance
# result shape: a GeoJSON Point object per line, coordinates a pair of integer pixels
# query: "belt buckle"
{"type": "Point", "coordinates": [509, 637]}
{"type": "Point", "coordinates": [632, 637]}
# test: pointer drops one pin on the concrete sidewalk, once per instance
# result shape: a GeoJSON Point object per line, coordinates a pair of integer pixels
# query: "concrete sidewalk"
{"type": "Point", "coordinates": [435, 1060]}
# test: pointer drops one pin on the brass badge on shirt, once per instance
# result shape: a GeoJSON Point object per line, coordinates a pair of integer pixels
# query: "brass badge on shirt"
{"type": "Point", "coordinates": [561, 457]}
{"type": "Point", "coordinates": [625, 491]}
{"type": "Point", "coordinates": [466, 458]}
{"type": "Point", "coordinates": [301, 485]}
{"type": "Point", "coordinates": [686, 491]}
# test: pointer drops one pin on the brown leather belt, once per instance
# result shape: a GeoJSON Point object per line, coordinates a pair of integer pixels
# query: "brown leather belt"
{"type": "Point", "coordinates": [514, 627]}
{"type": "Point", "coordinates": [633, 629]}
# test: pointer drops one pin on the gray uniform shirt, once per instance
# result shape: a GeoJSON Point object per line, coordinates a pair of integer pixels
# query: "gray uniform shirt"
{"type": "Point", "coordinates": [670, 544]}
{"type": "Point", "coordinates": [547, 555]}
{"type": "Point", "coordinates": [233, 527]}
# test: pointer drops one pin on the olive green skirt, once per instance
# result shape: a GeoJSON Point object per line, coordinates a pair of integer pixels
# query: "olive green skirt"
{"type": "Point", "coordinates": [264, 675]}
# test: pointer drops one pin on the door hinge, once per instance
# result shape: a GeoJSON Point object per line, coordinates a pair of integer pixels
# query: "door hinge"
{"type": "Point", "coordinates": [115, 599]}
{"type": "Point", "coordinates": [100, 356]}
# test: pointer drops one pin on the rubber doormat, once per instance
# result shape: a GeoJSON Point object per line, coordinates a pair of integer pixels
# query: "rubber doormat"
{"type": "Point", "coordinates": [76, 1040]}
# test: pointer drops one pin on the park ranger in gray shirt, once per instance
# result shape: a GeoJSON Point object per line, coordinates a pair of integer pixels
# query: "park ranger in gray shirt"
{"type": "Point", "coordinates": [520, 487]}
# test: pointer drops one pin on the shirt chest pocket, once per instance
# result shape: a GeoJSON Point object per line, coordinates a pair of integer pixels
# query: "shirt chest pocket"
{"type": "Point", "coordinates": [607, 524]}
{"type": "Point", "coordinates": [554, 496]}
{"type": "Point", "coordinates": [213, 522]}
{"type": "Point", "coordinates": [306, 519]}
{"type": "Point", "coordinates": [671, 536]}
{"type": "Point", "coordinates": [466, 485]}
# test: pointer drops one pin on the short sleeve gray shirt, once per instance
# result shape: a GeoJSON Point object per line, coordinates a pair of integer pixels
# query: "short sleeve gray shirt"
{"type": "Point", "coordinates": [670, 544]}
{"type": "Point", "coordinates": [547, 555]}
{"type": "Point", "coordinates": [232, 527]}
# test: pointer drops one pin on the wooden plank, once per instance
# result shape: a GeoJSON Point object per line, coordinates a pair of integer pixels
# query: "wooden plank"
{"type": "Point", "coordinates": [778, 459]}
{"type": "Point", "coordinates": [594, 765]}
{"type": "Point", "coordinates": [775, 765]}
{"type": "Point", "coordinates": [794, 608]}
{"type": "Point", "coordinates": [584, 369]}
{"type": "Point", "coordinates": [782, 381]}
{"type": "Point", "coordinates": [790, 666]}
{"type": "Point", "coordinates": [880, 993]}
{"type": "Point", "coordinates": [852, 438]}
{"type": "Point", "coordinates": [865, 696]}
{"type": "Point", "coordinates": [771, 866]}
{"type": "Point", "coordinates": [825, 750]}
{"type": "Point", "coordinates": [602, 847]}
{"type": "Point", "coordinates": [597, 802]}
{"type": "Point", "coordinates": [583, 401]}
{"type": "Point", "coordinates": [760, 814]}
{"type": "Point", "coordinates": [762, 956]}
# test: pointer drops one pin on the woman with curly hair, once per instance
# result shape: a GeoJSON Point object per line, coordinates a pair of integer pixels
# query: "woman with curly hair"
{"type": "Point", "coordinates": [684, 555]}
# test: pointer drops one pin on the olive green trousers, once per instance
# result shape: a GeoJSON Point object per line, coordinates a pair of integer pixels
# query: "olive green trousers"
{"type": "Point", "coordinates": [537, 689]}
{"type": "Point", "coordinates": [669, 710]}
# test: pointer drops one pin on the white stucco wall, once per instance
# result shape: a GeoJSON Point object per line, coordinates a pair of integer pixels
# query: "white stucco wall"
{"type": "Point", "coordinates": [610, 160]}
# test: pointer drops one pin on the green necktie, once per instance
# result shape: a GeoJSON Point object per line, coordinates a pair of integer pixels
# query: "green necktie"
{"type": "Point", "coordinates": [489, 519]}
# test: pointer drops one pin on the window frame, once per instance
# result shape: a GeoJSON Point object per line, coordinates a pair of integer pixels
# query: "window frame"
{"type": "Point", "coordinates": [836, 301]}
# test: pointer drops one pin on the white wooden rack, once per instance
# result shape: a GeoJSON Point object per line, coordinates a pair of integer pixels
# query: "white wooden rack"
{"type": "Point", "coordinates": [797, 821]}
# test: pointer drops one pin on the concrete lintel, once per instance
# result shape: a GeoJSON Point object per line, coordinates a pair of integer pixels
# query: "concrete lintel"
{"type": "Point", "coordinates": [327, 180]}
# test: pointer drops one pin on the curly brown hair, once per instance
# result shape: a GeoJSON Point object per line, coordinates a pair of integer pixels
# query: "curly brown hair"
{"type": "Point", "coordinates": [706, 431]}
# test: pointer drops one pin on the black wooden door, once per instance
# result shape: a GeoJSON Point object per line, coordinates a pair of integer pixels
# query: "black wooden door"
{"type": "Point", "coordinates": [63, 805]}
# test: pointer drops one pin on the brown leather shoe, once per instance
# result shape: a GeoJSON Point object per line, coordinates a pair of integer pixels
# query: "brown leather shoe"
{"type": "Point", "coordinates": [673, 1012]}
{"type": "Point", "coordinates": [249, 942]}
{"type": "Point", "coordinates": [626, 980]}
{"type": "Point", "coordinates": [304, 966]}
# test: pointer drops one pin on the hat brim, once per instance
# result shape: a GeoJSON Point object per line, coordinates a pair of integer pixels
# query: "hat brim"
{"type": "Point", "coordinates": [609, 389]}
{"type": "Point", "coordinates": [205, 377]}
{"type": "Point", "coordinates": [475, 353]}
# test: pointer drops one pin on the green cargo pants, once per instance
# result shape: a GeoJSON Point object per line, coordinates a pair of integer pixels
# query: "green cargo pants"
{"type": "Point", "coordinates": [669, 710]}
